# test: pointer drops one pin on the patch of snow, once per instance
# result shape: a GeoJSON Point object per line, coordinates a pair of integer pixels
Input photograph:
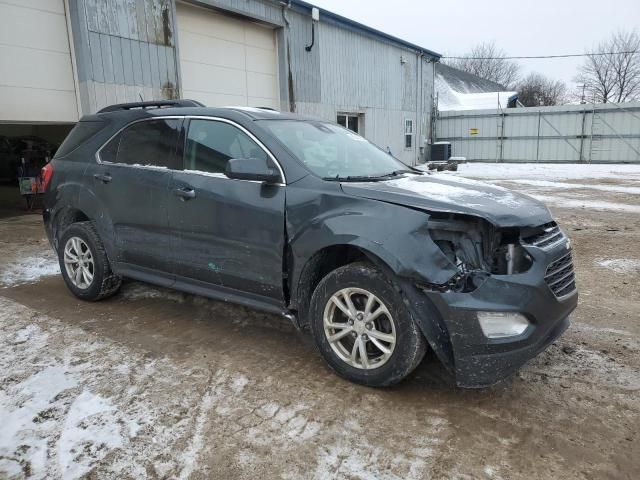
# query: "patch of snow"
{"type": "Point", "coordinates": [620, 265]}
{"type": "Point", "coordinates": [207, 174]}
{"type": "Point", "coordinates": [565, 186]}
{"type": "Point", "coordinates": [28, 270]}
{"type": "Point", "coordinates": [453, 193]}
{"type": "Point", "coordinates": [239, 383]}
{"type": "Point", "coordinates": [567, 202]}
{"type": "Point", "coordinates": [546, 171]}
{"type": "Point", "coordinates": [89, 434]}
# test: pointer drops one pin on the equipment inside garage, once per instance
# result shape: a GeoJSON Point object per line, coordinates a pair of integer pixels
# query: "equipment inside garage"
{"type": "Point", "coordinates": [24, 150]}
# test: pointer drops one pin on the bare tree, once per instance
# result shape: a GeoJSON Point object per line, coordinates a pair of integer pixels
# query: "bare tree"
{"type": "Point", "coordinates": [487, 61]}
{"type": "Point", "coordinates": [611, 72]}
{"type": "Point", "coordinates": [537, 90]}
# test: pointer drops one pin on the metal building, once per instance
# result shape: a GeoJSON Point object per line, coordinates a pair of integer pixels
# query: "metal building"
{"type": "Point", "coordinates": [60, 59]}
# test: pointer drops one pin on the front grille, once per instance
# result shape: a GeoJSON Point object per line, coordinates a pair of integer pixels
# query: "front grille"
{"type": "Point", "coordinates": [560, 276]}
{"type": "Point", "coordinates": [549, 235]}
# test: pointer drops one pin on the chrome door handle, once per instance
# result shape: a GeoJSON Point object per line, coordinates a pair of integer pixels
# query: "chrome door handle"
{"type": "Point", "coordinates": [104, 178]}
{"type": "Point", "coordinates": [185, 193]}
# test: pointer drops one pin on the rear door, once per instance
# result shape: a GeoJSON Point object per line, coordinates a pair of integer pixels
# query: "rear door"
{"type": "Point", "coordinates": [131, 180]}
{"type": "Point", "coordinates": [230, 233]}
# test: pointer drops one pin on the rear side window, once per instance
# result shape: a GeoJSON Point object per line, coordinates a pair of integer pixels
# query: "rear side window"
{"type": "Point", "coordinates": [147, 143]}
{"type": "Point", "coordinates": [211, 144]}
{"type": "Point", "coordinates": [77, 136]}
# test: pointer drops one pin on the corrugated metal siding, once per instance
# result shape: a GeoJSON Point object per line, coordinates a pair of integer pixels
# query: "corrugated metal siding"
{"type": "Point", "coordinates": [596, 133]}
{"type": "Point", "coordinates": [125, 49]}
{"type": "Point", "coordinates": [128, 48]}
{"type": "Point", "coordinates": [350, 72]}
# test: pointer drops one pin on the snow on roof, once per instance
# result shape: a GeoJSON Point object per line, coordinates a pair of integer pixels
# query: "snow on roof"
{"type": "Point", "coordinates": [458, 90]}
{"type": "Point", "coordinates": [474, 101]}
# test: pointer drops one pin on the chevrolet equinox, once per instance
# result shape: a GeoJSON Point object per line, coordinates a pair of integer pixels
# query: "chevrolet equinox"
{"type": "Point", "coordinates": [303, 218]}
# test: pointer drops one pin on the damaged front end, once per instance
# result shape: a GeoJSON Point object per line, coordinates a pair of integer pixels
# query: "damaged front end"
{"type": "Point", "coordinates": [510, 297]}
{"type": "Point", "coordinates": [478, 250]}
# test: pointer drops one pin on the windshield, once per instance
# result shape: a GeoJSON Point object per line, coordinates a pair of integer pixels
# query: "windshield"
{"type": "Point", "coordinates": [333, 152]}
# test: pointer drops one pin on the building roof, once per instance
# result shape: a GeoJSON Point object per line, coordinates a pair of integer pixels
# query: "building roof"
{"type": "Point", "coordinates": [356, 26]}
{"type": "Point", "coordinates": [458, 90]}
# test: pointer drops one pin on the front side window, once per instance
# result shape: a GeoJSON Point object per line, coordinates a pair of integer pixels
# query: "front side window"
{"type": "Point", "coordinates": [333, 152]}
{"type": "Point", "coordinates": [211, 144]}
{"type": "Point", "coordinates": [148, 143]}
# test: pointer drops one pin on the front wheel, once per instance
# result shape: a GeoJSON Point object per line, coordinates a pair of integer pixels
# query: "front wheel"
{"type": "Point", "coordinates": [362, 327]}
{"type": "Point", "coordinates": [84, 263]}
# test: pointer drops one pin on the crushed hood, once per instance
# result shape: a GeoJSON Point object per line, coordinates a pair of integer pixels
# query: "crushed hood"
{"type": "Point", "coordinates": [443, 192]}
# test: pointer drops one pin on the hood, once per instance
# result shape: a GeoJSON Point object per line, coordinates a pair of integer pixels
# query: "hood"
{"type": "Point", "coordinates": [443, 192]}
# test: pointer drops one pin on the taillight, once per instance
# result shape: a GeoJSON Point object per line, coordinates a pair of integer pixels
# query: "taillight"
{"type": "Point", "coordinates": [46, 174]}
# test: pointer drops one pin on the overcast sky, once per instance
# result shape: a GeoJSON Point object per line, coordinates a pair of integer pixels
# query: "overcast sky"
{"type": "Point", "coordinates": [541, 27]}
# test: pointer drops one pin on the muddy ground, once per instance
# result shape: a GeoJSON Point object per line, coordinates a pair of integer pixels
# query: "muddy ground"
{"type": "Point", "coordinates": [159, 384]}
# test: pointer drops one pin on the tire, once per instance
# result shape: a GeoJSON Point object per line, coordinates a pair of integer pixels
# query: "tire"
{"type": "Point", "coordinates": [358, 281]}
{"type": "Point", "coordinates": [104, 282]}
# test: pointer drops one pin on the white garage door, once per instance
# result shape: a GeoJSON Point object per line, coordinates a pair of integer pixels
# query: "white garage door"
{"type": "Point", "coordinates": [36, 76]}
{"type": "Point", "coordinates": [226, 61]}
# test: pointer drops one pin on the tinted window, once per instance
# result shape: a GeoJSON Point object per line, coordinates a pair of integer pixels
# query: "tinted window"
{"type": "Point", "coordinates": [80, 133]}
{"type": "Point", "coordinates": [150, 142]}
{"type": "Point", "coordinates": [211, 144]}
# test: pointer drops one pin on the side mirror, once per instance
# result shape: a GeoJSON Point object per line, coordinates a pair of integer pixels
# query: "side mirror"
{"type": "Point", "coordinates": [251, 169]}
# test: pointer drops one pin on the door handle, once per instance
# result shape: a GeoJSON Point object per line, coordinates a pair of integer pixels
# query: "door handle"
{"type": "Point", "coordinates": [104, 178]}
{"type": "Point", "coordinates": [185, 193]}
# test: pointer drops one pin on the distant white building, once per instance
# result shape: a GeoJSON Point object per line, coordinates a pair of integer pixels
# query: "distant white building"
{"type": "Point", "coordinates": [458, 90]}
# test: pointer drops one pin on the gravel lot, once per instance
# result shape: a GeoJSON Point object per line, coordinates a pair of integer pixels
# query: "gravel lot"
{"type": "Point", "coordinates": [159, 384]}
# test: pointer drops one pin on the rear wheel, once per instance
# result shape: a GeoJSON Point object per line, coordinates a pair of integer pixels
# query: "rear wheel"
{"type": "Point", "coordinates": [84, 263]}
{"type": "Point", "coordinates": [362, 327]}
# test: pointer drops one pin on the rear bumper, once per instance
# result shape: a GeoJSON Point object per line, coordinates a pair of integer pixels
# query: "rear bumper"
{"type": "Point", "coordinates": [475, 360]}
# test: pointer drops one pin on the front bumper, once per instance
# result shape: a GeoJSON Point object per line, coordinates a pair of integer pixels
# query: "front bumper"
{"type": "Point", "coordinates": [476, 360]}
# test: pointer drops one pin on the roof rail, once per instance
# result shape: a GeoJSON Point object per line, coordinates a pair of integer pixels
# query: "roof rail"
{"type": "Point", "coordinates": [152, 104]}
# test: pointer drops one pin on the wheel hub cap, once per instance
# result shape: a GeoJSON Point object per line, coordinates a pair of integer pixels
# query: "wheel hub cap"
{"type": "Point", "coordinates": [359, 328]}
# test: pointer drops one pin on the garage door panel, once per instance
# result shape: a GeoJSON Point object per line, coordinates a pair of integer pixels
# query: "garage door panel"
{"type": "Point", "coordinates": [225, 60]}
{"type": "Point", "coordinates": [33, 28]}
{"type": "Point", "coordinates": [259, 36]}
{"type": "Point", "coordinates": [264, 102]}
{"type": "Point", "coordinates": [261, 85]}
{"type": "Point", "coordinates": [261, 60]}
{"type": "Point", "coordinates": [33, 105]}
{"type": "Point", "coordinates": [24, 67]}
{"type": "Point", "coordinates": [206, 22]}
{"type": "Point", "coordinates": [212, 51]}
{"type": "Point", "coordinates": [210, 78]}
{"type": "Point", "coordinates": [219, 99]}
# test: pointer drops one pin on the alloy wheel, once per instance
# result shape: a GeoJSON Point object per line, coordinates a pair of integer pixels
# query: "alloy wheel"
{"type": "Point", "coordinates": [359, 328]}
{"type": "Point", "coordinates": [78, 263]}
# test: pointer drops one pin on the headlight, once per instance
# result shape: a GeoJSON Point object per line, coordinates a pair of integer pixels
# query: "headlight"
{"type": "Point", "coordinates": [502, 324]}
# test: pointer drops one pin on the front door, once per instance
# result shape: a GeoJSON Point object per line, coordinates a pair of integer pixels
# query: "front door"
{"type": "Point", "coordinates": [132, 183]}
{"type": "Point", "coordinates": [230, 232]}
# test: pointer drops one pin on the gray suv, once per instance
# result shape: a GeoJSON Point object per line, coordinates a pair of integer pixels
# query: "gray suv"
{"type": "Point", "coordinates": [303, 218]}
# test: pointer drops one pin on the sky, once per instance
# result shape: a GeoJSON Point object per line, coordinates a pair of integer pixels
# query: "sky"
{"type": "Point", "coordinates": [543, 27]}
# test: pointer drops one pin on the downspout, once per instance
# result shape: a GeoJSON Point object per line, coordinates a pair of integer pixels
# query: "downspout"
{"type": "Point", "coordinates": [418, 130]}
{"type": "Point", "coordinates": [290, 87]}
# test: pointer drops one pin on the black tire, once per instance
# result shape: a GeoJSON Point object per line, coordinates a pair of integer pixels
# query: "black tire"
{"type": "Point", "coordinates": [105, 283]}
{"type": "Point", "coordinates": [410, 346]}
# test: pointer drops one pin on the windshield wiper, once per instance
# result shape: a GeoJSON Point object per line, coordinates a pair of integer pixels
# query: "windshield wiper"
{"type": "Point", "coordinates": [356, 178]}
{"type": "Point", "coordinates": [370, 178]}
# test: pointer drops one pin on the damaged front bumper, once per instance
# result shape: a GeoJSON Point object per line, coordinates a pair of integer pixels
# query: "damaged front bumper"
{"type": "Point", "coordinates": [450, 319]}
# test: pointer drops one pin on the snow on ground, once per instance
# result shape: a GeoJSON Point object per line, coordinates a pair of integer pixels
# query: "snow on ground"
{"type": "Point", "coordinates": [563, 185]}
{"type": "Point", "coordinates": [620, 265]}
{"type": "Point", "coordinates": [549, 171]}
{"type": "Point", "coordinates": [28, 269]}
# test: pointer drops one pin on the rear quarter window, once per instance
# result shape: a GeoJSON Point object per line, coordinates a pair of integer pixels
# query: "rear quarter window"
{"type": "Point", "coordinates": [77, 136]}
